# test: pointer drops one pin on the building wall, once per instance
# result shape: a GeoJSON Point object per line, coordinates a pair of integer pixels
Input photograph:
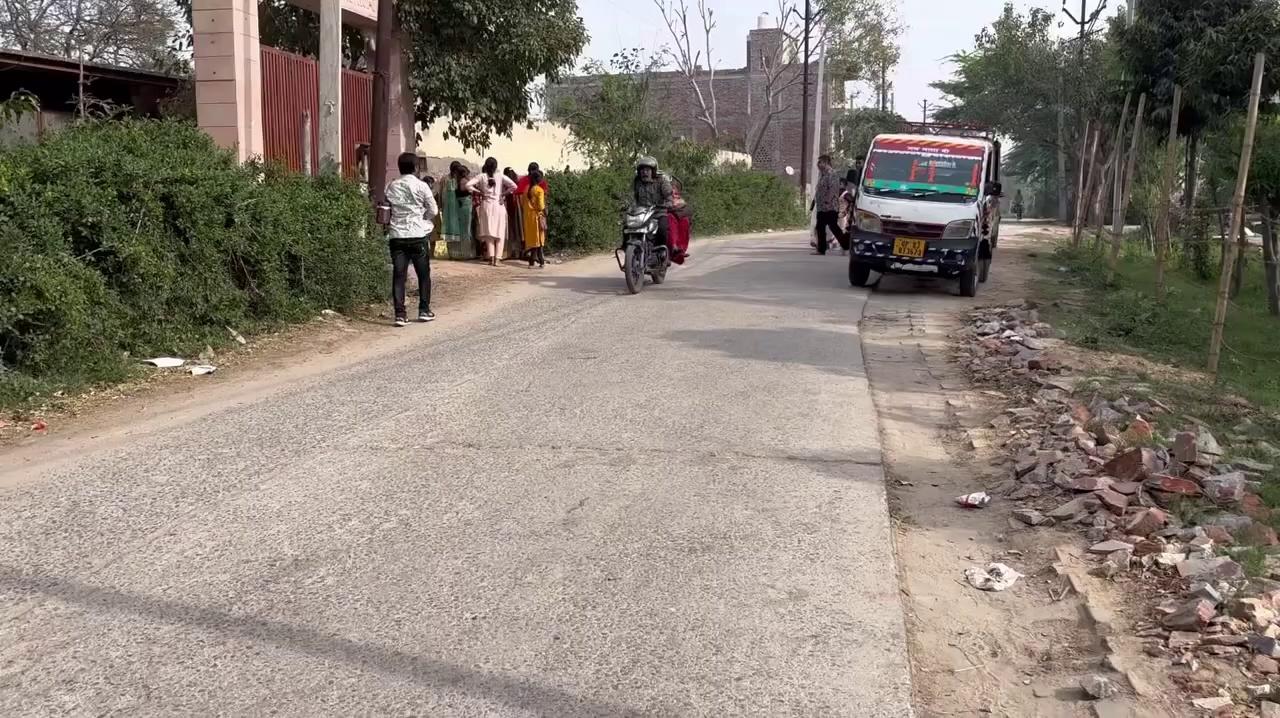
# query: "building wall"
{"type": "Point", "coordinates": [741, 102]}
{"type": "Point", "coordinates": [546, 144]}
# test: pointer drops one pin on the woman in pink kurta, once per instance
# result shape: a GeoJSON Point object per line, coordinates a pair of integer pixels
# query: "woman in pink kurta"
{"type": "Point", "coordinates": [491, 214]}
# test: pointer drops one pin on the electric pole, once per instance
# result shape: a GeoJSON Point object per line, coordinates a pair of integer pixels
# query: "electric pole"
{"type": "Point", "coordinates": [1084, 21]}
{"type": "Point", "coordinates": [924, 111]}
{"type": "Point", "coordinates": [330, 86]}
{"type": "Point", "coordinates": [804, 102]}
{"type": "Point", "coordinates": [381, 102]}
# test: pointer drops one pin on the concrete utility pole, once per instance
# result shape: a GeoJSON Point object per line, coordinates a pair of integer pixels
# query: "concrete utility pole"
{"type": "Point", "coordinates": [817, 118]}
{"type": "Point", "coordinates": [330, 69]}
{"type": "Point", "coordinates": [381, 102]}
{"type": "Point", "coordinates": [924, 111]}
{"type": "Point", "coordinates": [804, 101]}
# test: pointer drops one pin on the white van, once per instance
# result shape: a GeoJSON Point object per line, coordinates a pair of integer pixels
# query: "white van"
{"type": "Point", "coordinates": [928, 204]}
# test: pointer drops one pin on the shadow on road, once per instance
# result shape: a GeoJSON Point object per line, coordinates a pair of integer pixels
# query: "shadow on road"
{"type": "Point", "coordinates": [425, 671]}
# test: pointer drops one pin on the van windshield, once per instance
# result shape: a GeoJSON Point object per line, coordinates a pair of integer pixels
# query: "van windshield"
{"type": "Point", "coordinates": [924, 169]}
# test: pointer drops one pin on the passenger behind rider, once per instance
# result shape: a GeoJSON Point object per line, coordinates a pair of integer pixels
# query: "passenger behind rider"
{"type": "Point", "coordinates": [653, 189]}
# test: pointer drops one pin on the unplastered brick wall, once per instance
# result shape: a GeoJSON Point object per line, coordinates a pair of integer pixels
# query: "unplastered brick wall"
{"type": "Point", "coordinates": [741, 97]}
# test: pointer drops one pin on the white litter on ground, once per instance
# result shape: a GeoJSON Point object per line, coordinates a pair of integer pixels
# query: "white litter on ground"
{"type": "Point", "coordinates": [995, 577]}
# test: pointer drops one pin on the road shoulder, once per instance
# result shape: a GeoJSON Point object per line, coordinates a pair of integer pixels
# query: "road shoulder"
{"type": "Point", "coordinates": [1018, 652]}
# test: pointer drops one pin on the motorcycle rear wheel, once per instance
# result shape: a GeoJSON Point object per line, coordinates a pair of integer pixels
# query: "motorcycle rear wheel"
{"type": "Point", "coordinates": [633, 268]}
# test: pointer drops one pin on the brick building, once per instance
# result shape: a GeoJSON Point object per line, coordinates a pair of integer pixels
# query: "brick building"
{"type": "Point", "coordinates": [742, 97]}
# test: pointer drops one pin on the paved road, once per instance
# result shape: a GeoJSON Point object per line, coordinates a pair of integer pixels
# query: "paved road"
{"type": "Point", "coordinates": [570, 503]}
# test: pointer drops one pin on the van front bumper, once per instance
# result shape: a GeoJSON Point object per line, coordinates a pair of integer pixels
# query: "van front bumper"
{"type": "Point", "coordinates": [945, 257]}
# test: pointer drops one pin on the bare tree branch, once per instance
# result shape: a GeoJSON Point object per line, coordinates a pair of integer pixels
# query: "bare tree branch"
{"type": "Point", "coordinates": [126, 32]}
{"type": "Point", "coordinates": [676, 17]}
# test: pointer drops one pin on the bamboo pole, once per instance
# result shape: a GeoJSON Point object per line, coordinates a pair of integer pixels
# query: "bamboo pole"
{"type": "Point", "coordinates": [1237, 215]}
{"type": "Point", "coordinates": [1086, 187]}
{"type": "Point", "coordinates": [1105, 179]}
{"type": "Point", "coordinates": [1164, 224]}
{"type": "Point", "coordinates": [1080, 182]}
{"type": "Point", "coordinates": [1117, 222]}
{"type": "Point", "coordinates": [1132, 168]}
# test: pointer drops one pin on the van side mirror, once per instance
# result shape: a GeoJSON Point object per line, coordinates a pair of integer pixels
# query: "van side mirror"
{"type": "Point", "coordinates": [995, 189]}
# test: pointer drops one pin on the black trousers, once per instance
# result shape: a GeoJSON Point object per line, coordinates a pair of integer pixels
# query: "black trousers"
{"type": "Point", "coordinates": [830, 220]}
{"type": "Point", "coordinates": [406, 251]}
{"type": "Point", "coordinates": [537, 254]}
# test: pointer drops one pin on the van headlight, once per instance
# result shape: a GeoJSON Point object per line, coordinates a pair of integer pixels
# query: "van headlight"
{"type": "Point", "coordinates": [960, 229]}
{"type": "Point", "coordinates": [868, 222]}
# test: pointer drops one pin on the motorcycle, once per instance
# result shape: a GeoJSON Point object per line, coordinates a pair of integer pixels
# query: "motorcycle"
{"type": "Point", "coordinates": [641, 253]}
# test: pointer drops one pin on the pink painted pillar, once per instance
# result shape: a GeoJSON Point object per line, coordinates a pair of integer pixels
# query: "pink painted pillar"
{"type": "Point", "coordinates": [229, 73]}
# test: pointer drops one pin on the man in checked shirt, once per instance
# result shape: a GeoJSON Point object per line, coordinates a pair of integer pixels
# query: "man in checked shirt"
{"type": "Point", "coordinates": [826, 198]}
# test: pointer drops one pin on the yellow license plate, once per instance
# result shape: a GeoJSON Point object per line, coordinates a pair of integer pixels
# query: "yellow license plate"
{"type": "Point", "coordinates": [909, 247]}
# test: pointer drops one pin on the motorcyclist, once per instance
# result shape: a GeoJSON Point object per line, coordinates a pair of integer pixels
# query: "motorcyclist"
{"type": "Point", "coordinates": [1017, 204]}
{"type": "Point", "coordinates": [653, 189]}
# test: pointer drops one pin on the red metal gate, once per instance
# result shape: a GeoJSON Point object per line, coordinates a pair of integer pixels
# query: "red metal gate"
{"type": "Point", "coordinates": [290, 86]}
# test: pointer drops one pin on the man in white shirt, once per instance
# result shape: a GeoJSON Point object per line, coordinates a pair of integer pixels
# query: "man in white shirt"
{"type": "Point", "coordinates": [413, 209]}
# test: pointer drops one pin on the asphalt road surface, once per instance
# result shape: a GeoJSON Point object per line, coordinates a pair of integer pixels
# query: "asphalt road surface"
{"type": "Point", "coordinates": [564, 501]}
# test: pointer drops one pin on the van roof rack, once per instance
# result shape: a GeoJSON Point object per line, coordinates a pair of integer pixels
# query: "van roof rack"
{"type": "Point", "coordinates": [946, 128]}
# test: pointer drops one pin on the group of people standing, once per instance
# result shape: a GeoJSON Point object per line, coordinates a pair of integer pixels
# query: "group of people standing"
{"type": "Point", "coordinates": [420, 212]}
{"type": "Point", "coordinates": [500, 208]}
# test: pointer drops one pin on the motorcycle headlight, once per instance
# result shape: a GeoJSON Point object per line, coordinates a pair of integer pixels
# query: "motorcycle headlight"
{"type": "Point", "coordinates": [960, 229]}
{"type": "Point", "coordinates": [868, 222]}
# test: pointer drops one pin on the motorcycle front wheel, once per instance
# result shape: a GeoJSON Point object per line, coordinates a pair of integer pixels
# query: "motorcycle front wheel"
{"type": "Point", "coordinates": [633, 268]}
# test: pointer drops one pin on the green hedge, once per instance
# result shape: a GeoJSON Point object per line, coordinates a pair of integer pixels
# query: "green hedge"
{"type": "Point", "coordinates": [582, 215]}
{"type": "Point", "coordinates": [141, 238]}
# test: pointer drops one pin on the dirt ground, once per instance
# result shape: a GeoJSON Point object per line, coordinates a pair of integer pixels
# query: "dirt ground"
{"type": "Point", "coordinates": [1023, 651]}
{"type": "Point", "coordinates": [328, 341]}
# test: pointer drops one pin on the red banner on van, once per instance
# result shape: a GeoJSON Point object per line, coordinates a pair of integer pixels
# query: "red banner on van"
{"type": "Point", "coordinates": [933, 147]}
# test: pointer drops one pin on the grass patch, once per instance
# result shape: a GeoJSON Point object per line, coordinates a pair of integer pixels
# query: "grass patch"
{"type": "Point", "coordinates": [1126, 317]}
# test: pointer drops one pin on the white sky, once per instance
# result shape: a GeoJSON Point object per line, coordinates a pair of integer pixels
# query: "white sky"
{"type": "Point", "coordinates": [935, 29]}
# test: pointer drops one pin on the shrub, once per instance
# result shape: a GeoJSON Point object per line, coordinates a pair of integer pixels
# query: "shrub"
{"type": "Point", "coordinates": [141, 237]}
{"type": "Point", "coordinates": [582, 215]}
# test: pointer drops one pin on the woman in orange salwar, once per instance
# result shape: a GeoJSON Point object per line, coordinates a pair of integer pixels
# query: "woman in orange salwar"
{"type": "Point", "coordinates": [533, 210]}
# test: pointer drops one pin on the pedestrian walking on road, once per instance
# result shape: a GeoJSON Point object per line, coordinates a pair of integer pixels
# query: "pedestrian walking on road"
{"type": "Point", "coordinates": [491, 214]}
{"type": "Point", "coordinates": [533, 205]}
{"type": "Point", "coordinates": [826, 198]}
{"type": "Point", "coordinates": [413, 211]}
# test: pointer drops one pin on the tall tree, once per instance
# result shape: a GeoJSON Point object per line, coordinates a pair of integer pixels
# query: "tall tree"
{"type": "Point", "coordinates": [854, 129]}
{"type": "Point", "coordinates": [471, 61]}
{"type": "Point", "coordinates": [132, 33]}
{"type": "Point", "coordinates": [1025, 83]}
{"type": "Point", "coordinates": [1207, 46]}
{"type": "Point", "coordinates": [475, 61]}
{"type": "Point", "coordinates": [607, 127]}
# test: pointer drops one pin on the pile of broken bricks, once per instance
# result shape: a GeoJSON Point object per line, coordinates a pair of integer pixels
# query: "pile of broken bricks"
{"type": "Point", "coordinates": [1105, 468]}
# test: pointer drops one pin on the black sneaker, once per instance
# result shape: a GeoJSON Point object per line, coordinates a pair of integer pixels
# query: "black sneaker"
{"type": "Point", "coordinates": [427, 316]}
{"type": "Point", "coordinates": [402, 322]}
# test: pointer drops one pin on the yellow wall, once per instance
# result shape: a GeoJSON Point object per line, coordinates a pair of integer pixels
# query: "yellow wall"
{"type": "Point", "coordinates": [545, 144]}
